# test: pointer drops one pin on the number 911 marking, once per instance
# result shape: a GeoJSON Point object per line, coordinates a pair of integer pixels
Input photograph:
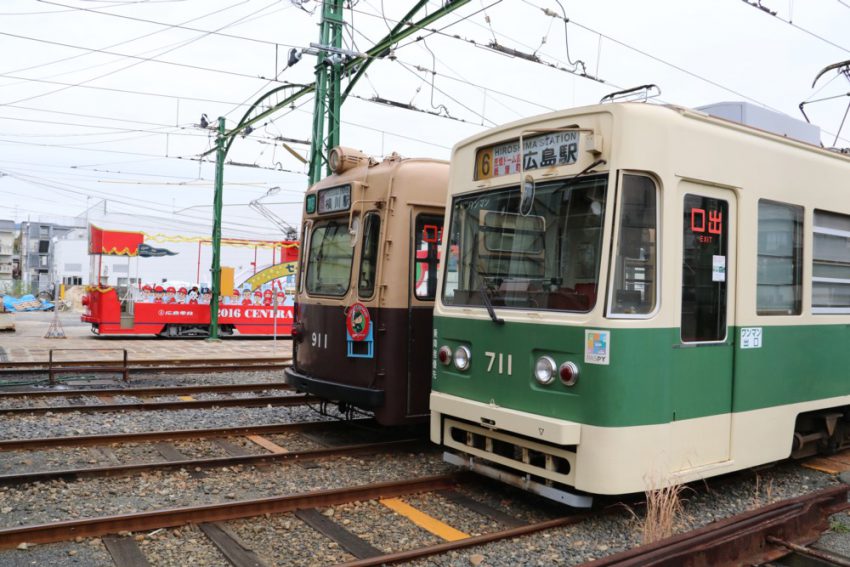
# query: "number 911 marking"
{"type": "Point", "coordinates": [319, 340]}
{"type": "Point", "coordinates": [504, 362]}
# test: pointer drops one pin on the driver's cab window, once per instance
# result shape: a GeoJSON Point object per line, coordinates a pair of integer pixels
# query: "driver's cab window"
{"type": "Point", "coordinates": [428, 232]}
{"type": "Point", "coordinates": [369, 255]}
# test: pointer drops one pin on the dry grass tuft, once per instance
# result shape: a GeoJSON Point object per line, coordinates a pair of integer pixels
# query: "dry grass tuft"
{"type": "Point", "coordinates": [762, 493]}
{"type": "Point", "coordinates": [663, 510]}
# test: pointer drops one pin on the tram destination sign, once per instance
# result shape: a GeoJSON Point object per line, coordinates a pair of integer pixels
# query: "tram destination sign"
{"type": "Point", "coordinates": [335, 199]}
{"type": "Point", "coordinates": [544, 150]}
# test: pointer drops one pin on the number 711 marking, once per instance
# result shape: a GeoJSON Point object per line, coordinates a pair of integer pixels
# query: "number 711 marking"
{"type": "Point", "coordinates": [502, 358]}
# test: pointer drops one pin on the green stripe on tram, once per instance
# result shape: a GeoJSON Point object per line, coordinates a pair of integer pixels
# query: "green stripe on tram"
{"type": "Point", "coordinates": [651, 377]}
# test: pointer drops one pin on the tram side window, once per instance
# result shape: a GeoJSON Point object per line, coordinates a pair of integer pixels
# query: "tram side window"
{"type": "Point", "coordinates": [637, 251]}
{"type": "Point", "coordinates": [831, 263]}
{"type": "Point", "coordinates": [780, 259]}
{"type": "Point", "coordinates": [369, 255]}
{"type": "Point", "coordinates": [329, 259]}
{"type": "Point", "coordinates": [428, 230]}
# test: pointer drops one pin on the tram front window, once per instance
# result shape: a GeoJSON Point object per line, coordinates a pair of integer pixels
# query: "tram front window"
{"type": "Point", "coordinates": [547, 259]}
{"type": "Point", "coordinates": [329, 259]}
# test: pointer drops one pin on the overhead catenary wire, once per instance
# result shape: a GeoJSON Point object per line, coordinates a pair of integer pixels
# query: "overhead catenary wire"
{"type": "Point", "coordinates": [122, 201]}
{"type": "Point", "coordinates": [101, 76]}
{"type": "Point", "coordinates": [757, 5]}
{"type": "Point", "coordinates": [126, 41]}
{"type": "Point", "coordinates": [138, 58]}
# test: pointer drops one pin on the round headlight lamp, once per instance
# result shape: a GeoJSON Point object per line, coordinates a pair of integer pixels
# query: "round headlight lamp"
{"type": "Point", "coordinates": [462, 357]}
{"type": "Point", "coordinates": [544, 370]}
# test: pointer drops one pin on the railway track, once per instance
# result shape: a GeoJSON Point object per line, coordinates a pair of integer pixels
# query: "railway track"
{"type": "Point", "coordinates": [144, 521]}
{"type": "Point", "coordinates": [754, 537]}
{"type": "Point", "coordinates": [258, 436]}
{"type": "Point", "coordinates": [185, 390]}
{"type": "Point", "coordinates": [149, 405]}
{"type": "Point", "coordinates": [748, 538]}
{"type": "Point", "coordinates": [126, 367]}
{"type": "Point", "coordinates": [148, 436]}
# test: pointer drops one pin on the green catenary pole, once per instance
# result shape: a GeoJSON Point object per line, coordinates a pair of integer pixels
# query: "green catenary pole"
{"type": "Point", "coordinates": [329, 98]}
{"type": "Point", "coordinates": [328, 78]}
{"type": "Point", "coordinates": [216, 231]}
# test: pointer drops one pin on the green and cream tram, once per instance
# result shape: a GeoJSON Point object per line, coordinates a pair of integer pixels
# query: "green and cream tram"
{"type": "Point", "coordinates": [636, 295]}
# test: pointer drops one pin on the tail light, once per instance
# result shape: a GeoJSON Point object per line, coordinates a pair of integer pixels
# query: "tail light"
{"type": "Point", "coordinates": [568, 372]}
{"type": "Point", "coordinates": [297, 332]}
{"type": "Point", "coordinates": [445, 355]}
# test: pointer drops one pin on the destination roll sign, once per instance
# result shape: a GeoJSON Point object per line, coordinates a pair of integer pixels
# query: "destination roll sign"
{"type": "Point", "coordinates": [544, 150]}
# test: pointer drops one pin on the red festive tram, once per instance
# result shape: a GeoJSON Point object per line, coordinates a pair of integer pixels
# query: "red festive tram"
{"type": "Point", "coordinates": [131, 308]}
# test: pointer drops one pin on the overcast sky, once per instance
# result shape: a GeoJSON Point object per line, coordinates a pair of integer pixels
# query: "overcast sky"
{"type": "Point", "coordinates": [102, 99]}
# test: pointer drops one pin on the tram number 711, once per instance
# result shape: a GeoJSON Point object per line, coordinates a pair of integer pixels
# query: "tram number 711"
{"type": "Point", "coordinates": [502, 359]}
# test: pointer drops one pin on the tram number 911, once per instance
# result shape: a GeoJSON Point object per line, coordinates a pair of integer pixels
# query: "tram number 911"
{"type": "Point", "coordinates": [502, 361]}
{"type": "Point", "coordinates": [319, 340]}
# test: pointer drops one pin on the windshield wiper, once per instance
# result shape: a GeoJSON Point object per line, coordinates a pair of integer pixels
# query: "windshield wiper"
{"type": "Point", "coordinates": [485, 297]}
{"type": "Point", "coordinates": [588, 168]}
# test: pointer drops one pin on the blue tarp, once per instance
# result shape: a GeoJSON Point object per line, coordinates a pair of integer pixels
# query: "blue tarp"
{"type": "Point", "coordinates": [25, 303]}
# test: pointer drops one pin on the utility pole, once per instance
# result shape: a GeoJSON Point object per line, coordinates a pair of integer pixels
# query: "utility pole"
{"type": "Point", "coordinates": [216, 230]}
{"type": "Point", "coordinates": [333, 64]}
{"type": "Point", "coordinates": [328, 79]}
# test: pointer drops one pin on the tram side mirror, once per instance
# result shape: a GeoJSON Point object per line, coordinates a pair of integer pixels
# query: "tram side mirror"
{"type": "Point", "coordinates": [354, 230]}
{"type": "Point", "coordinates": [526, 195]}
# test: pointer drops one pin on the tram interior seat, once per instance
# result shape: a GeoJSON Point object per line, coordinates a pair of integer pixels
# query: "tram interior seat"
{"type": "Point", "coordinates": [582, 298]}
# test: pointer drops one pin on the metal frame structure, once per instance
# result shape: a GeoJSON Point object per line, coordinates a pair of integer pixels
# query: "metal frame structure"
{"type": "Point", "coordinates": [333, 64]}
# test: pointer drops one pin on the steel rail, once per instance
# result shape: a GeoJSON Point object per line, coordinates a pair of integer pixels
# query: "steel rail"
{"type": "Point", "coordinates": [145, 436]}
{"type": "Point", "coordinates": [821, 556]}
{"type": "Point", "coordinates": [147, 391]}
{"type": "Point", "coordinates": [740, 539]}
{"type": "Point", "coordinates": [145, 365]}
{"type": "Point", "coordinates": [143, 521]}
{"type": "Point", "coordinates": [289, 400]}
{"type": "Point", "coordinates": [420, 552]}
{"type": "Point", "coordinates": [209, 462]}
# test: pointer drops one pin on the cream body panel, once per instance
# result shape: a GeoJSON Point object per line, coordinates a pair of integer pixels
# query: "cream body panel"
{"type": "Point", "coordinates": [551, 430]}
{"type": "Point", "coordinates": [674, 144]}
{"type": "Point", "coordinates": [621, 460]}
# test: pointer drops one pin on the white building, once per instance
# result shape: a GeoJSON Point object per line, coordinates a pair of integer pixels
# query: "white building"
{"type": "Point", "coordinates": [7, 242]}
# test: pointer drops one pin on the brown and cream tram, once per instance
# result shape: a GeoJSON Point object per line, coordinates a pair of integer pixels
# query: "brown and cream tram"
{"type": "Point", "coordinates": [367, 282]}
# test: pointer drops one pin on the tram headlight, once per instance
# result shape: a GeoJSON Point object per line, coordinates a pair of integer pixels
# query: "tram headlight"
{"type": "Point", "coordinates": [462, 357]}
{"type": "Point", "coordinates": [445, 355]}
{"type": "Point", "coordinates": [544, 370]}
{"type": "Point", "coordinates": [568, 372]}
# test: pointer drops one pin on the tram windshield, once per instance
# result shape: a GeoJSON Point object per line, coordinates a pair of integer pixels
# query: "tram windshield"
{"type": "Point", "coordinates": [548, 259]}
{"type": "Point", "coordinates": [329, 259]}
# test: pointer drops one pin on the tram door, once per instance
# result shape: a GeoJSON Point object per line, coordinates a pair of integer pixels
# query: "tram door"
{"type": "Point", "coordinates": [427, 233]}
{"type": "Point", "coordinates": [701, 382]}
{"type": "Point", "coordinates": [126, 299]}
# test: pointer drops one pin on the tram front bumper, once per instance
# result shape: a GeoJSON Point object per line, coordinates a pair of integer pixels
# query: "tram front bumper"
{"type": "Point", "coordinates": [547, 429]}
{"type": "Point", "coordinates": [366, 398]}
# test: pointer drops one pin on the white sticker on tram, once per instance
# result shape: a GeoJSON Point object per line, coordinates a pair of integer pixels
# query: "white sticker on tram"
{"type": "Point", "coordinates": [597, 346]}
{"type": "Point", "coordinates": [750, 337]}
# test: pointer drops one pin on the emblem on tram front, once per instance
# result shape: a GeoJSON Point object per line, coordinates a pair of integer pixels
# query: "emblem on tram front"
{"type": "Point", "coordinates": [357, 322]}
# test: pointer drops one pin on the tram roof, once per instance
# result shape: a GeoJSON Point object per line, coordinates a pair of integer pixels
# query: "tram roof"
{"type": "Point", "coordinates": [662, 111]}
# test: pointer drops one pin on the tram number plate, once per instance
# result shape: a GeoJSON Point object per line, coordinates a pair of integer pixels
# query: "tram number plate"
{"type": "Point", "coordinates": [751, 337]}
{"type": "Point", "coordinates": [499, 363]}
